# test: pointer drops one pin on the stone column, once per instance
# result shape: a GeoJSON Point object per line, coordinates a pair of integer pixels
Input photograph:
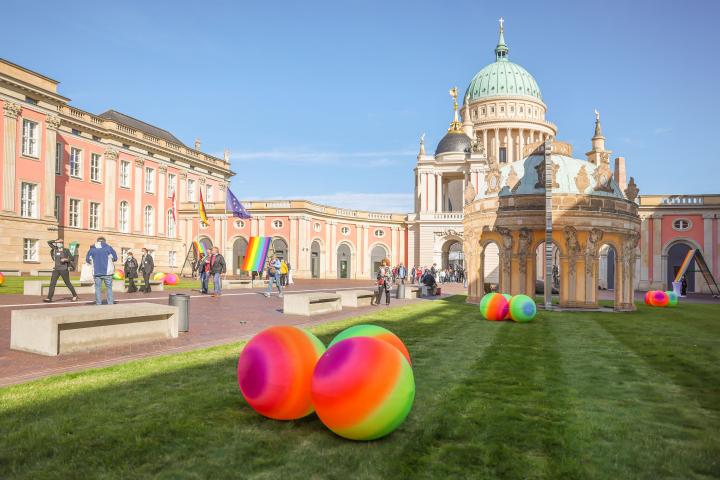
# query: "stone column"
{"type": "Point", "coordinates": [510, 147]}
{"type": "Point", "coordinates": [422, 182]}
{"type": "Point", "coordinates": [496, 146]}
{"type": "Point", "coordinates": [52, 123]}
{"type": "Point", "coordinates": [439, 204]}
{"type": "Point", "coordinates": [522, 144]}
{"type": "Point", "coordinates": [485, 142]}
{"type": "Point", "coordinates": [366, 253]}
{"type": "Point", "coordinates": [394, 245]}
{"type": "Point", "coordinates": [708, 250]}
{"type": "Point", "coordinates": [657, 280]}
{"type": "Point", "coordinates": [161, 196]}
{"type": "Point", "coordinates": [254, 226]}
{"type": "Point", "coordinates": [332, 251]}
{"type": "Point", "coordinates": [228, 250]}
{"type": "Point", "coordinates": [293, 247]}
{"type": "Point", "coordinates": [138, 209]}
{"type": "Point", "coordinates": [111, 180]}
{"type": "Point", "coordinates": [11, 112]}
{"type": "Point", "coordinates": [261, 225]}
{"type": "Point", "coordinates": [182, 187]}
{"type": "Point", "coordinates": [431, 192]}
{"type": "Point", "coordinates": [644, 257]}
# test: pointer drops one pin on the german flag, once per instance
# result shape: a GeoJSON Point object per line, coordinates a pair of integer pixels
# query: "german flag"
{"type": "Point", "coordinates": [201, 211]}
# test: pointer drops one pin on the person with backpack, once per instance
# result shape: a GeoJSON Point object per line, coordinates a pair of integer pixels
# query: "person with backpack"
{"type": "Point", "coordinates": [63, 263]}
{"type": "Point", "coordinates": [100, 255]}
{"type": "Point", "coordinates": [131, 272]}
{"type": "Point", "coordinates": [273, 273]}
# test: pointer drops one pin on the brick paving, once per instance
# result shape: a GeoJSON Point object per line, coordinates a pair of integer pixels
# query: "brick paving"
{"type": "Point", "coordinates": [236, 315]}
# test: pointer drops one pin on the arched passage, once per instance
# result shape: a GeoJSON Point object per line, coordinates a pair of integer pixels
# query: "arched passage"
{"type": "Point", "coordinates": [315, 259]}
{"type": "Point", "coordinates": [452, 254]}
{"type": "Point", "coordinates": [239, 251]}
{"type": "Point", "coordinates": [675, 256]}
{"type": "Point", "coordinates": [540, 264]}
{"type": "Point", "coordinates": [206, 242]}
{"type": "Point", "coordinates": [491, 266]}
{"type": "Point", "coordinates": [344, 261]}
{"type": "Point", "coordinates": [377, 255]}
{"type": "Point", "coordinates": [280, 248]}
{"type": "Point", "coordinates": [607, 267]}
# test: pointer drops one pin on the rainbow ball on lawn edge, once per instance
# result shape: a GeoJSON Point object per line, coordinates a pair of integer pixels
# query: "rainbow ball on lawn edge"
{"type": "Point", "coordinates": [672, 298]}
{"type": "Point", "coordinates": [275, 371]}
{"type": "Point", "coordinates": [648, 297]}
{"type": "Point", "coordinates": [362, 388]}
{"type": "Point", "coordinates": [508, 297]}
{"type": "Point", "coordinates": [659, 299]}
{"type": "Point", "coordinates": [2, 278]}
{"type": "Point", "coordinates": [494, 307]}
{"type": "Point", "coordinates": [159, 276]}
{"type": "Point", "coordinates": [373, 331]}
{"type": "Point", "coordinates": [170, 279]}
{"type": "Point", "coordinates": [522, 308]}
{"type": "Point", "coordinates": [119, 275]}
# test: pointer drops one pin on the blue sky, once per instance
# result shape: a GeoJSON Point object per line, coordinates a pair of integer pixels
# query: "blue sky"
{"type": "Point", "coordinates": [326, 100]}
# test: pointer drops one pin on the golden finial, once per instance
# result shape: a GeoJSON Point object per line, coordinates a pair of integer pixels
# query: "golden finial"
{"type": "Point", "coordinates": [455, 125]}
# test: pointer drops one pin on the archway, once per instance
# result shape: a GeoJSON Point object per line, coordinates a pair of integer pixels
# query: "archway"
{"type": "Point", "coordinates": [377, 255]}
{"type": "Point", "coordinates": [280, 248]}
{"type": "Point", "coordinates": [491, 266]}
{"type": "Point", "coordinates": [675, 256]}
{"type": "Point", "coordinates": [344, 260]}
{"type": "Point", "coordinates": [315, 259]}
{"type": "Point", "coordinates": [206, 243]}
{"type": "Point", "coordinates": [540, 264]}
{"type": "Point", "coordinates": [607, 267]}
{"type": "Point", "coordinates": [452, 254]}
{"type": "Point", "coordinates": [239, 251]}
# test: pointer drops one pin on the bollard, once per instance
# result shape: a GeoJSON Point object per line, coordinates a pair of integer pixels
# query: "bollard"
{"type": "Point", "coordinates": [401, 290]}
{"type": "Point", "coordinates": [182, 301]}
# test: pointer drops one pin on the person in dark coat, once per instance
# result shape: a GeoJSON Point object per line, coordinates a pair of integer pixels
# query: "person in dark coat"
{"type": "Point", "coordinates": [683, 286]}
{"type": "Point", "coordinates": [147, 265]}
{"type": "Point", "coordinates": [217, 270]}
{"type": "Point", "coordinates": [63, 262]}
{"type": "Point", "coordinates": [131, 272]}
{"type": "Point", "coordinates": [203, 270]}
{"type": "Point", "coordinates": [384, 277]}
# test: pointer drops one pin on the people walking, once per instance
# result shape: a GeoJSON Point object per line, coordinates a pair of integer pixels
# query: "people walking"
{"type": "Point", "coordinates": [217, 270]}
{"type": "Point", "coordinates": [384, 275]}
{"type": "Point", "coordinates": [101, 254]}
{"type": "Point", "coordinates": [61, 268]}
{"type": "Point", "coordinates": [683, 286]}
{"type": "Point", "coordinates": [147, 265]}
{"type": "Point", "coordinates": [283, 273]}
{"type": "Point", "coordinates": [273, 274]}
{"type": "Point", "coordinates": [203, 270]}
{"type": "Point", "coordinates": [131, 272]}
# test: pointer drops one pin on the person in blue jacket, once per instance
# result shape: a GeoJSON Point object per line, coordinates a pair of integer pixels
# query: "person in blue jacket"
{"type": "Point", "coordinates": [103, 270]}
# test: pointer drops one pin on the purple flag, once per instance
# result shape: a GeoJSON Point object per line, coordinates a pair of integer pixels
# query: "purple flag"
{"type": "Point", "coordinates": [234, 205]}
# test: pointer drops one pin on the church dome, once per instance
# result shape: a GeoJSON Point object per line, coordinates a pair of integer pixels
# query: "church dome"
{"type": "Point", "coordinates": [502, 78]}
{"type": "Point", "coordinates": [453, 141]}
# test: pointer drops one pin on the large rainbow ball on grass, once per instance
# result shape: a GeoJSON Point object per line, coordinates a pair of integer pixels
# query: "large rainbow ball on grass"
{"type": "Point", "coordinates": [119, 275]}
{"type": "Point", "coordinates": [494, 306]}
{"type": "Point", "coordinates": [362, 388]}
{"type": "Point", "coordinates": [648, 297]}
{"type": "Point", "coordinates": [159, 276]}
{"type": "Point", "coordinates": [659, 299]}
{"type": "Point", "coordinates": [2, 278]}
{"type": "Point", "coordinates": [275, 370]}
{"type": "Point", "coordinates": [170, 279]}
{"type": "Point", "coordinates": [508, 297]}
{"type": "Point", "coordinates": [522, 308]}
{"type": "Point", "coordinates": [375, 332]}
{"type": "Point", "coordinates": [672, 298]}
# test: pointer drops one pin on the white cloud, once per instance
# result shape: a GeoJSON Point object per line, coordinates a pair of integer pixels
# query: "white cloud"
{"type": "Point", "coordinates": [307, 156]}
{"type": "Point", "coordinates": [662, 130]}
{"type": "Point", "coordinates": [375, 202]}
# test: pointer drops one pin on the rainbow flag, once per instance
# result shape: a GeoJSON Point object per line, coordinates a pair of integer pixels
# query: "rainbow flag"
{"type": "Point", "coordinates": [685, 264]}
{"type": "Point", "coordinates": [256, 254]}
{"type": "Point", "coordinates": [201, 210]}
{"type": "Point", "coordinates": [199, 248]}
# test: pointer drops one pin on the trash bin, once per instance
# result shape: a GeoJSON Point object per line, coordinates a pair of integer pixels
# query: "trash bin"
{"type": "Point", "coordinates": [181, 300]}
{"type": "Point", "coordinates": [400, 290]}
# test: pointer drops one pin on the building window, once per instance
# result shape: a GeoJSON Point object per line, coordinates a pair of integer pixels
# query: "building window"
{"type": "Point", "coordinates": [492, 109]}
{"type": "Point", "coordinates": [124, 217]}
{"type": "Point", "coordinates": [28, 200]}
{"type": "Point", "coordinates": [191, 190]}
{"type": "Point", "coordinates": [277, 224]}
{"type": "Point", "coordinates": [345, 231]}
{"type": "Point", "coordinates": [171, 185]}
{"type": "Point", "coordinates": [57, 208]}
{"type": "Point", "coordinates": [239, 224]}
{"type": "Point", "coordinates": [172, 256]}
{"type": "Point", "coordinates": [209, 193]}
{"type": "Point", "coordinates": [30, 133]}
{"type": "Point", "coordinates": [124, 173]}
{"type": "Point", "coordinates": [30, 100]}
{"type": "Point", "coordinates": [379, 233]}
{"type": "Point", "coordinates": [482, 111]}
{"type": "Point", "coordinates": [149, 220]}
{"type": "Point", "coordinates": [75, 162]}
{"type": "Point", "coordinates": [503, 154]}
{"type": "Point", "coordinates": [149, 180]}
{"type": "Point", "coordinates": [74, 213]}
{"type": "Point", "coordinates": [58, 158]}
{"type": "Point", "coordinates": [124, 254]}
{"type": "Point", "coordinates": [170, 224]}
{"type": "Point", "coordinates": [682, 224]}
{"type": "Point", "coordinates": [317, 227]}
{"type": "Point", "coordinates": [30, 249]}
{"type": "Point", "coordinates": [94, 216]}
{"type": "Point", "coordinates": [94, 167]}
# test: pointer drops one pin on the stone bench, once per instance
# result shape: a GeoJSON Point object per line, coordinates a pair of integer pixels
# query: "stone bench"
{"type": "Point", "coordinates": [356, 298]}
{"type": "Point", "coordinates": [41, 273]}
{"type": "Point", "coordinates": [244, 283]}
{"type": "Point", "coordinates": [426, 291]}
{"type": "Point", "coordinates": [41, 287]}
{"type": "Point", "coordinates": [55, 331]}
{"type": "Point", "coordinates": [308, 304]}
{"type": "Point", "coordinates": [10, 273]}
{"type": "Point", "coordinates": [410, 292]}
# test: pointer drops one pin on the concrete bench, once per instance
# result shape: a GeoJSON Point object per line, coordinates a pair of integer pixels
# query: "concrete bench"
{"type": "Point", "coordinates": [311, 303]}
{"type": "Point", "coordinates": [41, 273]}
{"type": "Point", "coordinates": [426, 291]}
{"type": "Point", "coordinates": [244, 283]}
{"type": "Point", "coordinates": [356, 298]}
{"type": "Point", "coordinates": [54, 331]}
{"type": "Point", "coordinates": [10, 273]}
{"type": "Point", "coordinates": [410, 292]}
{"type": "Point", "coordinates": [41, 287]}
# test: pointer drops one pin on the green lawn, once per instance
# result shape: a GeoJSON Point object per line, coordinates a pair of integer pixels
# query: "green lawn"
{"type": "Point", "coordinates": [592, 395]}
{"type": "Point", "coordinates": [14, 285]}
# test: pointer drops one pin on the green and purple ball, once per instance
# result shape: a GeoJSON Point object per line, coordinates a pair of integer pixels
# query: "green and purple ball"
{"type": "Point", "coordinates": [672, 298]}
{"type": "Point", "coordinates": [522, 308]}
{"type": "Point", "coordinates": [494, 307]}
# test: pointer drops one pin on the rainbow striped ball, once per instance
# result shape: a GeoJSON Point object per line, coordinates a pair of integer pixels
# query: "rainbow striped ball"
{"type": "Point", "coordinates": [119, 275]}
{"type": "Point", "coordinates": [494, 306]}
{"type": "Point", "coordinates": [375, 332]}
{"type": "Point", "coordinates": [659, 299]}
{"type": "Point", "coordinates": [672, 298]}
{"type": "Point", "coordinates": [275, 370]}
{"type": "Point", "coordinates": [170, 279]}
{"type": "Point", "coordinates": [159, 276]}
{"type": "Point", "coordinates": [522, 308]}
{"type": "Point", "coordinates": [362, 388]}
{"type": "Point", "coordinates": [2, 278]}
{"type": "Point", "coordinates": [508, 297]}
{"type": "Point", "coordinates": [648, 297]}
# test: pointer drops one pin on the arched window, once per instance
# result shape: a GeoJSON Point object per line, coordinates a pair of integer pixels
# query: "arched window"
{"type": "Point", "coordinates": [379, 233]}
{"type": "Point", "coordinates": [682, 224]}
{"type": "Point", "coordinates": [170, 224]}
{"type": "Point", "coordinates": [149, 220]}
{"type": "Point", "coordinates": [124, 217]}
